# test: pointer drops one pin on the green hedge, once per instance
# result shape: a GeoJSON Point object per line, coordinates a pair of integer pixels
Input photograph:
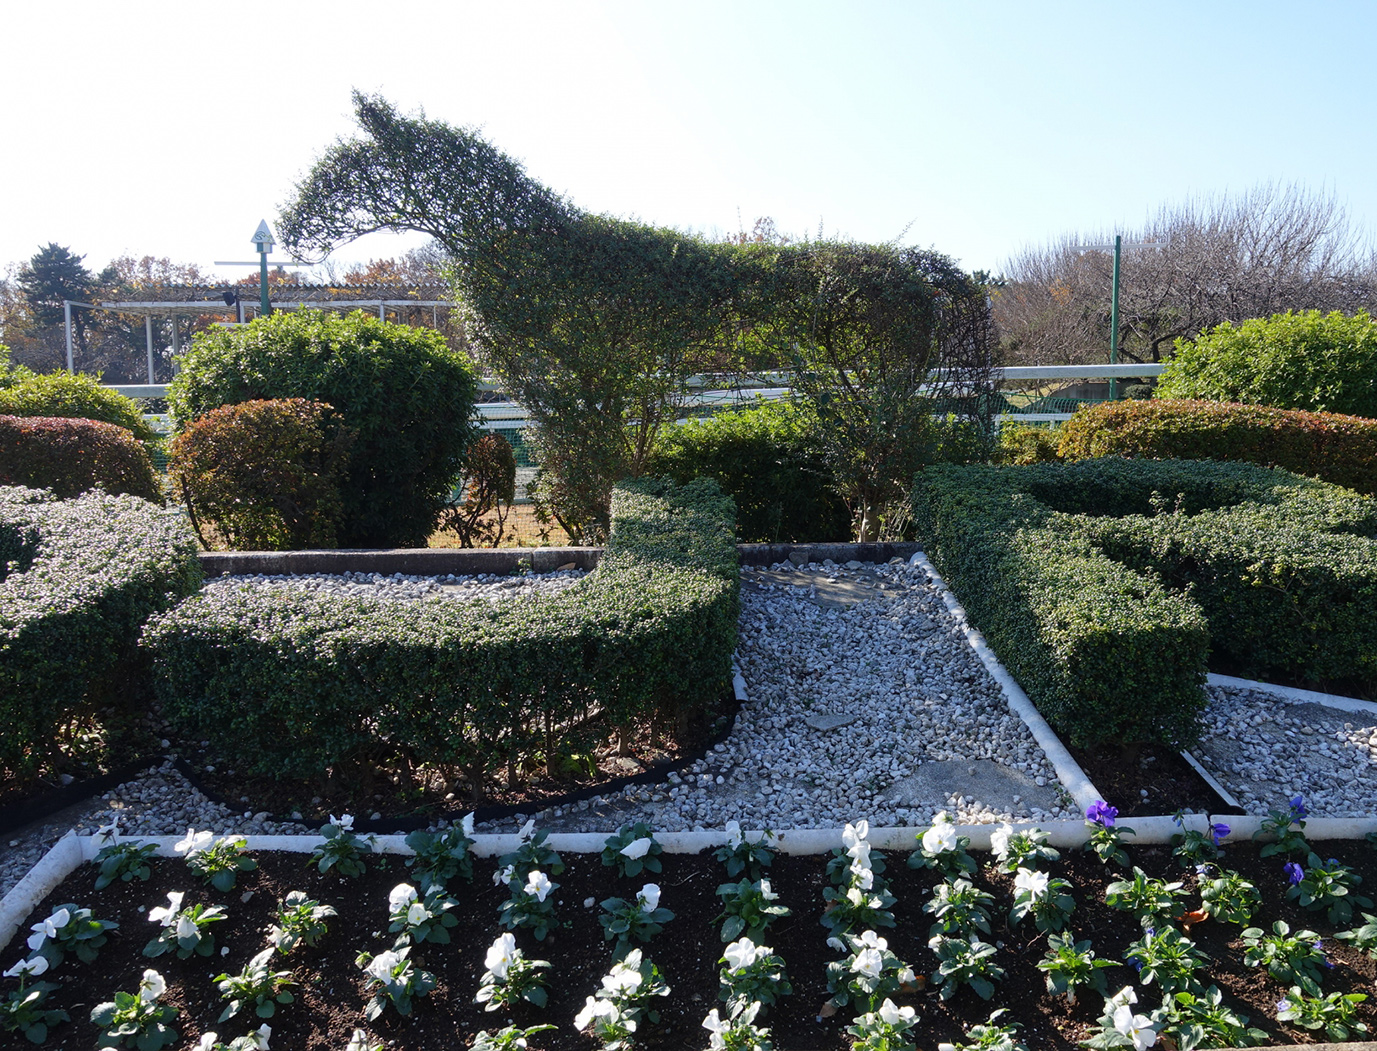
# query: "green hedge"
{"type": "Point", "coordinates": [1339, 449]}
{"type": "Point", "coordinates": [26, 393]}
{"type": "Point", "coordinates": [768, 460]}
{"type": "Point", "coordinates": [313, 683]}
{"type": "Point", "coordinates": [1306, 360]}
{"type": "Point", "coordinates": [78, 578]}
{"type": "Point", "coordinates": [73, 456]}
{"type": "Point", "coordinates": [1098, 583]}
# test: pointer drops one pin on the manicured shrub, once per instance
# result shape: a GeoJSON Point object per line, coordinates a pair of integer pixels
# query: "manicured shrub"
{"type": "Point", "coordinates": [318, 682]}
{"type": "Point", "coordinates": [82, 576]}
{"type": "Point", "coordinates": [1307, 360]}
{"type": "Point", "coordinates": [72, 456]}
{"type": "Point", "coordinates": [26, 393]}
{"type": "Point", "coordinates": [402, 390]}
{"type": "Point", "coordinates": [1098, 582]}
{"type": "Point", "coordinates": [1025, 443]}
{"type": "Point", "coordinates": [767, 460]}
{"type": "Point", "coordinates": [1339, 449]}
{"type": "Point", "coordinates": [266, 474]}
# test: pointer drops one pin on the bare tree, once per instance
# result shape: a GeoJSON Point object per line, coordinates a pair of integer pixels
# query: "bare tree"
{"type": "Point", "coordinates": [1228, 258]}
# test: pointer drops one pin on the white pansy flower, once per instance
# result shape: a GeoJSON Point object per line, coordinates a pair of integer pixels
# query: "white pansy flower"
{"type": "Point", "coordinates": [743, 953]}
{"type": "Point", "coordinates": [1126, 995]}
{"type": "Point", "coordinates": [382, 965]}
{"type": "Point", "coordinates": [500, 955]}
{"type": "Point", "coordinates": [537, 883]}
{"type": "Point", "coordinates": [860, 855]}
{"type": "Point", "coordinates": [466, 825]}
{"type": "Point", "coordinates": [1031, 881]}
{"type": "Point", "coordinates": [34, 966]}
{"type": "Point", "coordinates": [649, 897]}
{"type": "Point", "coordinates": [194, 842]}
{"type": "Point", "coordinates": [999, 840]}
{"type": "Point", "coordinates": [869, 962]}
{"type": "Point", "coordinates": [871, 940]}
{"type": "Point", "coordinates": [862, 876]}
{"type": "Point", "coordinates": [186, 927]}
{"type": "Point", "coordinates": [402, 895]}
{"type": "Point", "coordinates": [345, 822]}
{"type": "Point", "coordinates": [527, 831]}
{"type": "Point", "coordinates": [207, 1042]}
{"type": "Point", "coordinates": [716, 1027]}
{"type": "Point", "coordinates": [940, 838]}
{"type": "Point", "coordinates": [853, 834]}
{"type": "Point", "coordinates": [48, 928]}
{"type": "Point", "coordinates": [765, 892]}
{"type": "Point", "coordinates": [637, 848]}
{"type": "Point", "coordinates": [1137, 1028]}
{"type": "Point", "coordinates": [260, 1036]}
{"type": "Point", "coordinates": [505, 875]}
{"type": "Point", "coordinates": [593, 1009]}
{"type": "Point", "coordinates": [836, 943]}
{"type": "Point", "coordinates": [891, 1014]}
{"type": "Point", "coordinates": [734, 839]}
{"type": "Point", "coordinates": [167, 915]}
{"type": "Point", "coordinates": [906, 977]}
{"type": "Point", "coordinates": [152, 986]}
{"type": "Point", "coordinates": [621, 981]}
{"type": "Point", "coordinates": [417, 913]}
{"type": "Point", "coordinates": [109, 833]}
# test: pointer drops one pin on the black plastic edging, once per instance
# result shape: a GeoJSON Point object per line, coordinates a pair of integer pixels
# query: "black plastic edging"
{"type": "Point", "coordinates": [35, 808]}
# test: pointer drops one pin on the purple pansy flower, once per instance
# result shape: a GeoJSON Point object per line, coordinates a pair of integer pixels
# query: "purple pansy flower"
{"type": "Point", "coordinates": [1219, 831]}
{"type": "Point", "coordinates": [1294, 872]}
{"type": "Point", "coordinates": [1298, 810]}
{"type": "Point", "coordinates": [1101, 813]}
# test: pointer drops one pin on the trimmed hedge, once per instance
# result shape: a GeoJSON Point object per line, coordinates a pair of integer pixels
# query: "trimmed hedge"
{"type": "Point", "coordinates": [295, 685]}
{"type": "Point", "coordinates": [267, 474]}
{"type": "Point", "coordinates": [404, 392]}
{"type": "Point", "coordinates": [769, 461]}
{"type": "Point", "coordinates": [1339, 449]}
{"type": "Point", "coordinates": [78, 578]}
{"type": "Point", "coordinates": [1102, 584]}
{"type": "Point", "coordinates": [26, 393]}
{"type": "Point", "coordinates": [1305, 360]}
{"type": "Point", "coordinates": [73, 456]}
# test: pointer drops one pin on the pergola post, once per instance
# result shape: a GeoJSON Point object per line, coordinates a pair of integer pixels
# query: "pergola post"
{"type": "Point", "coordinates": [148, 332]}
{"type": "Point", "coordinates": [176, 344]}
{"type": "Point", "coordinates": [67, 321]}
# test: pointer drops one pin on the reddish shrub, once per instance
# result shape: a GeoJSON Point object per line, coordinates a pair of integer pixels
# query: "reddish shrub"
{"type": "Point", "coordinates": [489, 487]}
{"type": "Point", "coordinates": [266, 474]}
{"type": "Point", "coordinates": [72, 456]}
{"type": "Point", "coordinates": [1340, 449]}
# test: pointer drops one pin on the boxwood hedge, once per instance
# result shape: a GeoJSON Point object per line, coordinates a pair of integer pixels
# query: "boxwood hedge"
{"type": "Point", "coordinates": [77, 580]}
{"type": "Point", "coordinates": [296, 685]}
{"type": "Point", "coordinates": [1103, 584]}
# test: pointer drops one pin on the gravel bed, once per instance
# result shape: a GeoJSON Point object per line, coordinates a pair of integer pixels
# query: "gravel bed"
{"type": "Point", "coordinates": [401, 588]}
{"type": "Point", "coordinates": [1265, 749]}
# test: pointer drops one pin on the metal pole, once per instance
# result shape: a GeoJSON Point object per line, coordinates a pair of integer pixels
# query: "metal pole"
{"type": "Point", "coordinates": [176, 344]}
{"type": "Point", "coordinates": [1114, 320]}
{"type": "Point", "coordinates": [148, 332]}
{"type": "Point", "coordinates": [264, 309]}
{"type": "Point", "coordinates": [67, 320]}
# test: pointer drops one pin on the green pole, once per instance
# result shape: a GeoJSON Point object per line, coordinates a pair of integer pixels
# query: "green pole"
{"type": "Point", "coordinates": [1113, 320]}
{"type": "Point", "coordinates": [265, 307]}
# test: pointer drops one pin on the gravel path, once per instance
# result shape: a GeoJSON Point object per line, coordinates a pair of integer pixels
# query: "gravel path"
{"type": "Point", "coordinates": [860, 689]}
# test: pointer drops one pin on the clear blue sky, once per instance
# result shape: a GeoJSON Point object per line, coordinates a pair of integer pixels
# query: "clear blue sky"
{"type": "Point", "coordinates": [978, 128]}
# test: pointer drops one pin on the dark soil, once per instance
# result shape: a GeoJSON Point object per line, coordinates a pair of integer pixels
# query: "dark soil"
{"type": "Point", "coordinates": [331, 996]}
{"type": "Point", "coordinates": [1147, 780]}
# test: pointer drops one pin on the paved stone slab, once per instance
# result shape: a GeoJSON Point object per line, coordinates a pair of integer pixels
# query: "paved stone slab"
{"type": "Point", "coordinates": [983, 778]}
{"type": "Point", "coordinates": [830, 721]}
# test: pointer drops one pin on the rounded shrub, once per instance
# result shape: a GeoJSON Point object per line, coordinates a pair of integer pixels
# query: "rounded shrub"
{"type": "Point", "coordinates": [769, 462]}
{"type": "Point", "coordinates": [488, 484]}
{"type": "Point", "coordinates": [73, 456]}
{"type": "Point", "coordinates": [405, 394]}
{"type": "Point", "coordinates": [25, 393]}
{"type": "Point", "coordinates": [1307, 360]}
{"type": "Point", "coordinates": [265, 474]}
{"type": "Point", "coordinates": [1339, 449]}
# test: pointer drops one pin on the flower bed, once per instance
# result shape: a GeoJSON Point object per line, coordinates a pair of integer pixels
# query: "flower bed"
{"type": "Point", "coordinates": [873, 947]}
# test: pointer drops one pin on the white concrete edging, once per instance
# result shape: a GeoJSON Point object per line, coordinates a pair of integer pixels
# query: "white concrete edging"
{"type": "Point", "coordinates": [1291, 693]}
{"type": "Point", "coordinates": [72, 851]}
{"type": "Point", "coordinates": [1068, 771]}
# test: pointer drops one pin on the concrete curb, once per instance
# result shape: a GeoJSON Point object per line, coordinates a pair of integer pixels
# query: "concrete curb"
{"type": "Point", "coordinates": [1068, 771]}
{"type": "Point", "coordinates": [1291, 693]}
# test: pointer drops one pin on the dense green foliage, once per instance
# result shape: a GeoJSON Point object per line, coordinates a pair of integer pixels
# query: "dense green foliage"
{"type": "Point", "coordinates": [1097, 582]}
{"type": "Point", "coordinates": [404, 393]}
{"type": "Point", "coordinates": [72, 456]}
{"type": "Point", "coordinates": [1339, 449]}
{"type": "Point", "coordinates": [1306, 360]}
{"type": "Point", "coordinates": [595, 324]}
{"type": "Point", "coordinates": [265, 474]}
{"type": "Point", "coordinates": [768, 460]}
{"type": "Point", "coordinates": [478, 518]}
{"type": "Point", "coordinates": [77, 580]}
{"type": "Point", "coordinates": [26, 393]}
{"type": "Point", "coordinates": [319, 682]}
